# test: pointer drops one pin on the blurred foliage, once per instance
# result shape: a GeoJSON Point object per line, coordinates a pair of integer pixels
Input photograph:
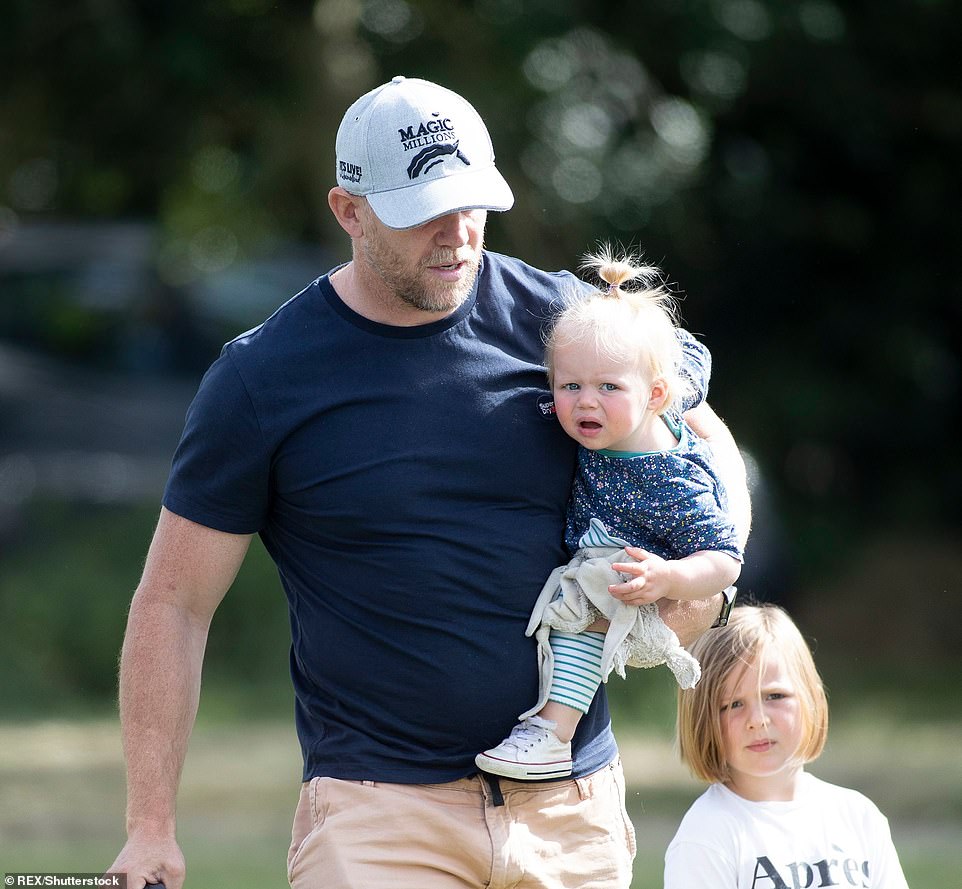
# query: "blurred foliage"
{"type": "Point", "coordinates": [794, 166]}
{"type": "Point", "coordinates": [66, 579]}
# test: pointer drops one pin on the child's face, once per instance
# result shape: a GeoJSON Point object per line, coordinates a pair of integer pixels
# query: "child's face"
{"type": "Point", "coordinates": [761, 727]}
{"type": "Point", "coordinates": [599, 401]}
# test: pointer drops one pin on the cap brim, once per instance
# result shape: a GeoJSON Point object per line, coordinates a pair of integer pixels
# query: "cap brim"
{"type": "Point", "coordinates": [414, 205]}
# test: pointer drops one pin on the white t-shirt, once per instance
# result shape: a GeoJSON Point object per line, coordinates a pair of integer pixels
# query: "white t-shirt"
{"type": "Point", "coordinates": [827, 836]}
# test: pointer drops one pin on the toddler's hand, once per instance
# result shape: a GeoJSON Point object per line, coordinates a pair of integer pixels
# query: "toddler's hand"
{"type": "Point", "coordinates": [651, 578]}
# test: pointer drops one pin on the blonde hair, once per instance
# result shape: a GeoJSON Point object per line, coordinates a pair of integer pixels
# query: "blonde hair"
{"type": "Point", "coordinates": [636, 327]}
{"type": "Point", "coordinates": [753, 633]}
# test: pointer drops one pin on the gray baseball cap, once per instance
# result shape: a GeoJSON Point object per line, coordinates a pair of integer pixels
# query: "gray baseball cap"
{"type": "Point", "coordinates": [418, 151]}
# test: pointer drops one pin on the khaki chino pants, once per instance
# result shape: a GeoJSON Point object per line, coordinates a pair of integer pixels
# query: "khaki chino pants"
{"type": "Point", "coordinates": [369, 835]}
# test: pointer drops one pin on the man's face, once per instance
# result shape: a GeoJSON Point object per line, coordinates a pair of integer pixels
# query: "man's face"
{"type": "Point", "coordinates": [431, 267]}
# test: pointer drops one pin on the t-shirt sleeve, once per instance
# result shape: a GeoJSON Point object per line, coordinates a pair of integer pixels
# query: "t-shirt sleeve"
{"type": "Point", "coordinates": [684, 513]}
{"type": "Point", "coordinates": [702, 852]}
{"type": "Point", "coordinates": [888, 873]}
{"type": "Point", "coordinates": [690, 865]}
{"type": "Point", "coordinates": [695, 369]}
{"type": "Point", "coordinates": [221, 468]}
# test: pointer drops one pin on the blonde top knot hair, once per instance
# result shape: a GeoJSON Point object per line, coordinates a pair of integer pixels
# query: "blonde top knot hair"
{"type": "Point", "coordinates": [617, 270]}
{"type": "Point", "coordinates": [635, 325]}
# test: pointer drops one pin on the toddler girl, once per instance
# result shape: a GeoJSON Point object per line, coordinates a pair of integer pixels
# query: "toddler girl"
{"type": "Point", "coordinates": [644, 480]}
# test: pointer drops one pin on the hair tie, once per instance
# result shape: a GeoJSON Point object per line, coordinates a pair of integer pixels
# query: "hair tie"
{"type": "Point", "coordinates": [613, 289]}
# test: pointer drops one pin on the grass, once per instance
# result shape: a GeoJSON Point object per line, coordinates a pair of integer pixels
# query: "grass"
{"type": "Point", "coordinates": [62, 800]}
{"type": "Point", "coordinates": [913, 772]}
{"type": "Point", "coordinates": [62, 797]}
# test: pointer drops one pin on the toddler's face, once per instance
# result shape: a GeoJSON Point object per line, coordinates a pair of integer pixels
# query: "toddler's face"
{"type": "Point", "coordinates": [601, 402]}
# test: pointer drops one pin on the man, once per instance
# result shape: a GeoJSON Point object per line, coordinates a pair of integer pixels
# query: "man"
{"type": "Point", "coordinates": [387, 432]}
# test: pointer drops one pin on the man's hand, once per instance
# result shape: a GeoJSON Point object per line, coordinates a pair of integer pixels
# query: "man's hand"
{"type": "Point", "coordinates": [659, 580]}
{"type": "Point", "coordinates": [147, 860]}
{"type": "Point", "coordinates": [690, 619]}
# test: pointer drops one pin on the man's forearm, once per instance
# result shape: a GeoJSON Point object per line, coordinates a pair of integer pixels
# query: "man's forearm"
{"type": "Point", "coordinates": [159, 691]}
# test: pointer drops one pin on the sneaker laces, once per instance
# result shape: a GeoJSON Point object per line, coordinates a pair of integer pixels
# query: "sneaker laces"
{"type": "Point", "coordinates": [526, 734]}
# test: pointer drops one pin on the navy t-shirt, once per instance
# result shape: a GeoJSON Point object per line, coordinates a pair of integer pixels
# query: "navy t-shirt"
{"type": "Point", "coordinates": [410, 484]}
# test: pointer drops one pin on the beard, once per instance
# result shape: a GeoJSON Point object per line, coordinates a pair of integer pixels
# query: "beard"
{"type": "Point", "coordinates": [412, 284]}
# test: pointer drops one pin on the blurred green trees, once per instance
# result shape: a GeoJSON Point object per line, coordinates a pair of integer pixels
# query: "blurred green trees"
{"type": "Point", "coordinates": [793, 166]}
{"type": "Point", "coordinates": [66, 579]}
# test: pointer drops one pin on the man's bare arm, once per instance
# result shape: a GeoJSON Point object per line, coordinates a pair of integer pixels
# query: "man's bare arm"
{"type": "Point", "coordinates": [690, 619]}
{"type": "Point", "coordinates": [728, 463]}
{"type": "Point", "coordinates": [188, 570]}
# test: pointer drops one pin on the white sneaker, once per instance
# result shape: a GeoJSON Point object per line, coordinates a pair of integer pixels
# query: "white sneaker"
{"type": "Point", "coordinates": [530, 752]}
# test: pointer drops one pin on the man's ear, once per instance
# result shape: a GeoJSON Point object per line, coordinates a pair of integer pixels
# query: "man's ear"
{"type": "Point", "coordinates": [658, 396]}
{"type": "Point", "coordinates": [346, 209]}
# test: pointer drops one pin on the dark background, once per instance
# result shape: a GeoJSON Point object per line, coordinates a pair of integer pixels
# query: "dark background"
{"type": "Point", "coordinates": [793, 166]}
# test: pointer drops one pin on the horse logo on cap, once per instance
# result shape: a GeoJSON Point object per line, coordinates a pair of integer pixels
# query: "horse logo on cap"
{"type": "Point", "coordinates": [429, 157]}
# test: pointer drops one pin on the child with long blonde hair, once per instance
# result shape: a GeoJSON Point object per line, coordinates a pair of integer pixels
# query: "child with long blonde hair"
{"type": "Point", "coordinates": [647, 515]}
{"type": "Point", "coordinates": [758, 716]}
